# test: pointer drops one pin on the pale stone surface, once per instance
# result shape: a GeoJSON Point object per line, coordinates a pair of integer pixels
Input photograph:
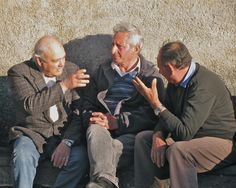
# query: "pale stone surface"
{"type": "Point", "coordinates": [207, 27]}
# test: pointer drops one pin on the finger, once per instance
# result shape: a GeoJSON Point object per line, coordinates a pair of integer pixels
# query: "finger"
{"type": "Point", "coordinates": [162, 159]}
{"type": "Point", "coordinates": [61, 162]}
{"type": "Point", "coordinates": [154, 86]}
{"type": "Point", "coordinates": [82, 76]}
{"type": "Point", "coordinates": [55, 161]}
{"type": "Point", "coordinates": [140, 83]}
{"type": "Point", "coordinates": [66, 161]}
{"type": "Point", "coordinates": [52, 157]}
{"type": "Point", "coordinates": [153, 155]}
{"type": "Point", "coordinates": [100, 122]}
{"type": "Point", "coordinates": [135, 83]}
{"type": "Point", "coordinates": [99, 114]}
{"type": "Point", "coordinates": [96, 114]}
{"type": "Point", "coordinates": [79, 71]}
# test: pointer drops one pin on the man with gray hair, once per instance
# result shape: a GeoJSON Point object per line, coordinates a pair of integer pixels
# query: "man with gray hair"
{"type": "Point", "coordinates": [113, 110]}
{"type": "Point", "coordinates": [48, 115]}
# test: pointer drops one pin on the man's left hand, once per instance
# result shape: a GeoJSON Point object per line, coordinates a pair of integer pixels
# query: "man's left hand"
{"type": "Point", "coordinates": [60, 156]}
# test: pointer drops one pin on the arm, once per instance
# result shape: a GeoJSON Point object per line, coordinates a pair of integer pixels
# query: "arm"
{"type": "Point", "coordinates": [73, 133]}
{"type": "Point", "coordinates": [139, 116]}
{"type": "Point", "coordinates": [196, 109]}
{"type": "Point", "coordinates": [32, 94]}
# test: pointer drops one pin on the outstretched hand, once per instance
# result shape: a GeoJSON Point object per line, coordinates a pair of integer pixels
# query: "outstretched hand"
{"type": "Point", "coordinates": [150, 94]}
{"type": "Point", "coordinates": [78, 79]}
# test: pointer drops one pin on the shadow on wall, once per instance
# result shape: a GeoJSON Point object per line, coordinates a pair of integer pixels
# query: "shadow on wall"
{"type": "Point", "coordinates": [89, 51]}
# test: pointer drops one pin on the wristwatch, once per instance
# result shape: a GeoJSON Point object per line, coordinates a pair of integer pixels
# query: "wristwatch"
{"type": "Point", "coordinates": [67, 142]}
{"type": "Point", "coordinates": [157, 110]}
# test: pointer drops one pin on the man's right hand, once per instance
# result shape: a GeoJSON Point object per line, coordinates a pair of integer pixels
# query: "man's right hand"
{"type": "Point", "coordinates": [158, 151]}
{"type": "Point", "coordinates": [78, 79]}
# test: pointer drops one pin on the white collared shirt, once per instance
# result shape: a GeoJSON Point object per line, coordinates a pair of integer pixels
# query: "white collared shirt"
{"type": "Point", "coordinates": [53, 111]}
{"type": "Point", "coordinates": [117, 68]}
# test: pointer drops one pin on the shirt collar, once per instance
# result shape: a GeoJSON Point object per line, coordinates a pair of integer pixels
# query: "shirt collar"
{"type": "Point", "coordinates": [132, 72]}
{"type": "Point", "coordinates": [189, 75]}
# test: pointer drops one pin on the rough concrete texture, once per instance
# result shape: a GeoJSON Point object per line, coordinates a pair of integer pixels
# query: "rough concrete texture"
{"type": "Point", "coordinates": [207, 27]}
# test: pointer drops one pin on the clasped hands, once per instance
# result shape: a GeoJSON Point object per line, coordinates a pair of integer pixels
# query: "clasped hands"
{"type": "Point", "coordinates": [107, 120]}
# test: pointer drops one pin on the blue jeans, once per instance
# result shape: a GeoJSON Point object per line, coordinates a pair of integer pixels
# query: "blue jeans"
{"type": "Point", "coordinates": [26, 158]}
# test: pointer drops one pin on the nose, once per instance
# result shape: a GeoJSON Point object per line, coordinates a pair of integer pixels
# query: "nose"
{"type": "Point", "coordinates": [114, 49]}
{"type": "Point", "coordinates": [61, 62]}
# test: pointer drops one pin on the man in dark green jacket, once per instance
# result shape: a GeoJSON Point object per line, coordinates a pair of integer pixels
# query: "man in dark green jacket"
{"type": "Point", "coordinates": [197, 115]}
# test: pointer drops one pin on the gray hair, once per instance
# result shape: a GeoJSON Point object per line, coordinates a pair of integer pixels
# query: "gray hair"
{"type": "Point", "coordinates": [135, 36]}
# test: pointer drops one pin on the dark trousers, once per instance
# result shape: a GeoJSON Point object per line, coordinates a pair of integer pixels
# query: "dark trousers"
{"type": "Point", "coordinates": [184, 159]}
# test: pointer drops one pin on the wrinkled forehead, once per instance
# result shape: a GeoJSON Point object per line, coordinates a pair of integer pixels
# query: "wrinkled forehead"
{"type": "Point", "coordinates": [120, 37]}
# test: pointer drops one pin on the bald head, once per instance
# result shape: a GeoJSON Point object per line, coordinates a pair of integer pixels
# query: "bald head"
{"type": "Point", "coordinates": [47, 45]}
{"type": "Point", "coordinates": [49, 56]}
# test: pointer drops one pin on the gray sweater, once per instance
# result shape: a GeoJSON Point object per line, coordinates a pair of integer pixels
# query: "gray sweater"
{"type": "Point", "coordinates": [203, 108]}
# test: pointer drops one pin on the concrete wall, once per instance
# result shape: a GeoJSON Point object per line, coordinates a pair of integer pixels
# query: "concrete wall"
{"type": "Point", "coordinates": [207, 27]}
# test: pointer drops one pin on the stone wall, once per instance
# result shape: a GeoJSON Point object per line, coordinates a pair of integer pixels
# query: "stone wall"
{"type": "Point", "coordinates": [207, 27]}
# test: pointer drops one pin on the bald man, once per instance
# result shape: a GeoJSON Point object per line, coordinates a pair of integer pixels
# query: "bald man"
{"type": "Point", "coordinates": [49, 125]}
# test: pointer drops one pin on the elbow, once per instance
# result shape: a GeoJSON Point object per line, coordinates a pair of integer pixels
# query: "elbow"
{"type": "Point", "coordinates": [184, 135]}
{"type": "Point", "coordinates": [29, 108]}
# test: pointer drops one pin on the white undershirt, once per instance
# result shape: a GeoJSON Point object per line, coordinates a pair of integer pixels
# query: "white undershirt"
{"type": "Point", "coordinates": [53, 111]}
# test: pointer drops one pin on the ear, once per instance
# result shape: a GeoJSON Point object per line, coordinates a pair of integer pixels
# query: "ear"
{"type": "Point", "coordinates": [38, 61]}
{"type": "Point", "coordinates": [137, 49]}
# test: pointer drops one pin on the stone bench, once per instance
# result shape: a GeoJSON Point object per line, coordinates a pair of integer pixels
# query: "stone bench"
{"type": "Point", "coordinates": [88, 52]}
{"type": "Point", "coordinates": [46, 173]}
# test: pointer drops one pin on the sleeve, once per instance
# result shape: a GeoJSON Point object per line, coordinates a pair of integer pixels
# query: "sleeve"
{"type": "Point", "coordinates": [89, 101]}
{"type": "Point", "coordinates": [75, 129]}
{"type": "Point", "coordinates": [196, 110]}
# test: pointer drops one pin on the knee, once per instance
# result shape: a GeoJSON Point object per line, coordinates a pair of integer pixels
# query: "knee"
{"type": "Point", "coordinates": [175, 149]}
{"type": "Point", "coordinates": [95, 130]}
{"type": "Point", "coordinates": [143, 138]}
{"type": "Point", "coordinates": [143, 142]}
{"type": "Point", "coordinates": [25, 152]}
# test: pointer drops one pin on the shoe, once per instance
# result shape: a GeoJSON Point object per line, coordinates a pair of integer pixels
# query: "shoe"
{"type": "Point", "coordinates": [101, 183]}
{"type": "Point", "coordinates": [93, 185]}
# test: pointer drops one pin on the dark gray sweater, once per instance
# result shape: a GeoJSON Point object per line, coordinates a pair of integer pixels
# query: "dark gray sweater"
{"type": "Point", "coordinates": [203, 108]}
